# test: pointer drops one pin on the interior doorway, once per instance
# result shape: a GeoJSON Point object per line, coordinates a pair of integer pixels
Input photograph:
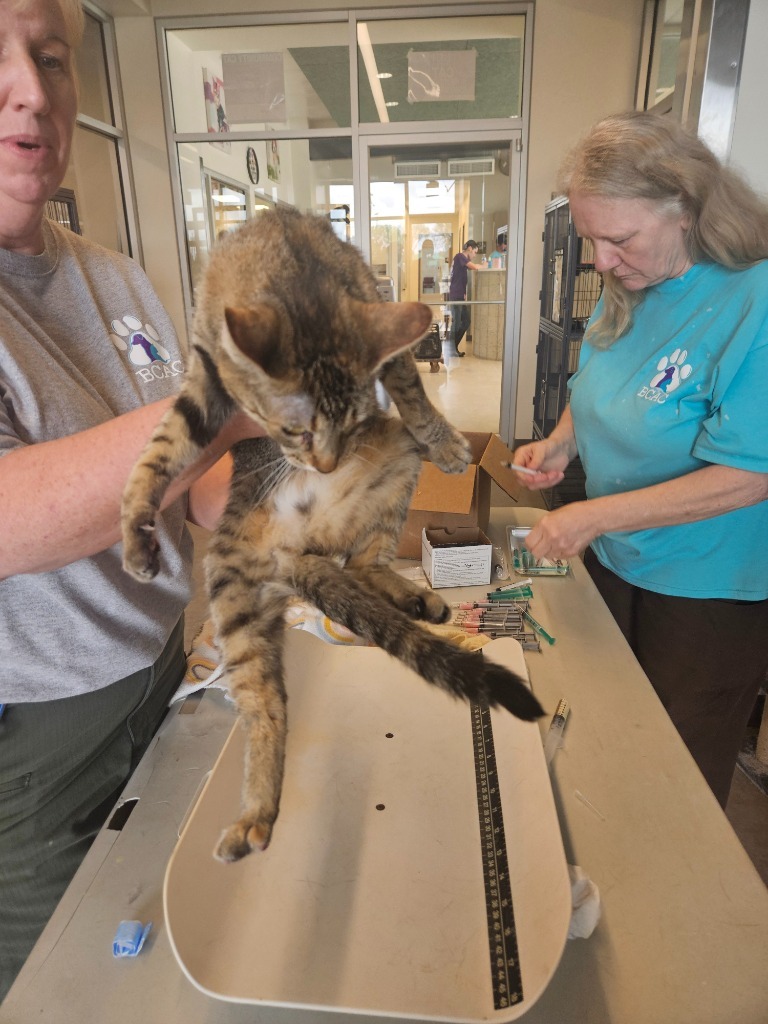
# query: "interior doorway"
{"type": "Point", "coordinates": [421, 203]}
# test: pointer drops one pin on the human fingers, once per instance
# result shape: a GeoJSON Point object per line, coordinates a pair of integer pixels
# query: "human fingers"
{"type": "Point", "coordinates": [534, 478]}
{"type": "Point", "coordinates": [563, 533]}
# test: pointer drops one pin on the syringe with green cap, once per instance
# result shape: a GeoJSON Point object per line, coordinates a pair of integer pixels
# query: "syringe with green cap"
{"type": "Point", "coordinates": [538, 628]}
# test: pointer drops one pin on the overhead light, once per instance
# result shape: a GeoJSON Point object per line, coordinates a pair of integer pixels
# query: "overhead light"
{"type": "Point", "coordinates": [369, 60]}
{"type": "Point", "coordinates": [392, 103]}
{"type": "Point", "coordinates": [384, 74]}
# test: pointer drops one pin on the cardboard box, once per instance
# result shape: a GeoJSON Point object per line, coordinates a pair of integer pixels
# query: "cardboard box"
{"type": "Point", "coordinates": [448, 502]}
{"type": "Point", "coordinates": [456, 558]}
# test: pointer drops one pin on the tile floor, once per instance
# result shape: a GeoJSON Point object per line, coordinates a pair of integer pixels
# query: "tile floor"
{"type": "Point", "coordinates": [468, 391]}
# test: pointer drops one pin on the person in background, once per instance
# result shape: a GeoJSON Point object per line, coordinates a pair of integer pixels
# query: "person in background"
{"type": "Point", "coordinates": [667, 417]}
{"type": "Point", "coordinates": [457, 292]}
{"type": "Point", "coordinates": [498, 257]}
{"type": "Point", "coordinates": [89, 362]}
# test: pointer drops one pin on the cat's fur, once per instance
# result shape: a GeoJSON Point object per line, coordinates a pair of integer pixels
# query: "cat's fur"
{"type": "Point", "coordinates": [290, 328]}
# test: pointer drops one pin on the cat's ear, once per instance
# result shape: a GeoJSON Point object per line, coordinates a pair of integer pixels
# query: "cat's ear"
{"type": "Point", "coordinates": [255, 331]}
{"type": "Point", "coordinates": [391, 327]}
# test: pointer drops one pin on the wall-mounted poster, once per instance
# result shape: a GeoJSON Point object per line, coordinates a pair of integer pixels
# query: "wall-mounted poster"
{"type": "Point", "coordinates": [273, 161]}
{"type": "Point", "coordinates": [255, 84]}
{"type": "Point", "coordinates": [215, 113]}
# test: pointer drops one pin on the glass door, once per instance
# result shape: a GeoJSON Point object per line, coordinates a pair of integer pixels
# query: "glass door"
{"type": "Point", "coordinates": [420, 204]}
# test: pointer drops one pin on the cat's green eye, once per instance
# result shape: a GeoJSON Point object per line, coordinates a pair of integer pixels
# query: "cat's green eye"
{"type": "Point", "coordinates": [291, 432]}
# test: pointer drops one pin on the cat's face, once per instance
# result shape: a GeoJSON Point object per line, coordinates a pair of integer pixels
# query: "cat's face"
{"type": "Point", "coordinates": [313, 398]}
{"type": "Point", "coordinates": [313, 432]}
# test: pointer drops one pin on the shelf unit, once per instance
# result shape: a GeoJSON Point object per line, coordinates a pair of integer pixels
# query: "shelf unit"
{"type": "Point", "coordinates": [570, 289]}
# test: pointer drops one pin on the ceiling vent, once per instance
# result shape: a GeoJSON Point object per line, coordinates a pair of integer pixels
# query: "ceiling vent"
{"type": "Point", "coordinates": [468, 168]}
{"type": "Point", "coordinates": [417, 169]}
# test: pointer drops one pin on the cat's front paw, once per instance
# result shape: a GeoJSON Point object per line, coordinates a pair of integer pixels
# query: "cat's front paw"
{"type": "Point", "coordinates": [248, 834]}
{"type": "Point", "coordinates": [451, 451]}
{"type": "Point", "coordinates": [141, 550]}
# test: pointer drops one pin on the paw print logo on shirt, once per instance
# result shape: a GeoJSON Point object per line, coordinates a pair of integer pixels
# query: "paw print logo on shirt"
{"type": "Point", "coordinates": [140, 341]}
{"type": "Point", "coordinates": [672, 371]}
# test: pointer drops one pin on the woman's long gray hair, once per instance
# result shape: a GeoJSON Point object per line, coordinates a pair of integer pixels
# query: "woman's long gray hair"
{"type": "Point", "coordinates": [637, 155]}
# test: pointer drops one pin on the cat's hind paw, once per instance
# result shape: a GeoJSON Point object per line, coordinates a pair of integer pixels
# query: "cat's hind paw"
{"type": "Point", "coordinates": [415, 601]}
{"type": "Point", "coordinates": [250, 833]}
{"type": "Point", "coordinates": [141, 550]}
{"type": "Point", "coordinates": [427, 606]}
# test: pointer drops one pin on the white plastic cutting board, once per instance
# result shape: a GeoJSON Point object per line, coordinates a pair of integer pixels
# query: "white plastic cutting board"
{"type": "Point", "coordinates": [371, 896]}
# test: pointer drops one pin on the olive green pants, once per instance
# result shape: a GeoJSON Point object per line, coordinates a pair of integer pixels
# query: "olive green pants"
{"type": "Point", "coordinates": [63, 764]}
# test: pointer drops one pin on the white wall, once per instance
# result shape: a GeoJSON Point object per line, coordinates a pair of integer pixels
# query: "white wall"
{"type": "Point", "coordinates": [749, 148]}
{"type": "Point", "coordinates": [140, 76]}
{"type": "Point", "coordinates": [585, 56]}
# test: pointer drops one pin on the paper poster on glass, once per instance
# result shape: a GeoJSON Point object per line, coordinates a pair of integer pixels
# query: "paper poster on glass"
{"type": "Point", "coordinates": [215, 112]}
{"type": "Point", "coordinates": [255, 84]}
{"type": "Point", "coordinates": [441, 75]}
{"type": "Point", "coordinates": [273, 161]}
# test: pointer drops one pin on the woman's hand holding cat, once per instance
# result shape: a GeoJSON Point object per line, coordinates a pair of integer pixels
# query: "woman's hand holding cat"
{"type": "Point", "coordinates": [241, 427]}
{"type": "Point", "coordinates": [208, 495]}
{"type": "Point", "coordinates": [61, 499]}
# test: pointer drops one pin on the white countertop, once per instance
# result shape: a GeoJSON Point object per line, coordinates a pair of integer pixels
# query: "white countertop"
{"type": "Point", "coordinates": [684, 929]}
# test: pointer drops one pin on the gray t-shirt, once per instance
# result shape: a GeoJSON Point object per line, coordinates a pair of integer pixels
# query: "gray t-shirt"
{"type": "Point", "coordinates": [83, 338]}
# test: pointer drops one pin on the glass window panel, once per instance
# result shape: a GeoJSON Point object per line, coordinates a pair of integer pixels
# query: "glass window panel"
{"type": "Point", "coordinates": [665, 49]}
{"type": "Point", "coordinates": [229, 206]}
{"type": "Point", "coordinates": [425, 197]}
{"type": "Point", "coordinates": [260, 77]}
{"type": "Point", "coordinates": [419, 223]}
{"type": "Point", "coordinates": [225, 183]}
{"type": "Point", "coordinates": [195, 210]}
{"type": "Point", "coordinates": [95, 98]}
{"type": "Point", "coordinates": [387, 199]}
{"type": "Point", "coordinates": [94, 177]}
{"type": "Point", "coordinates": [438, 69]}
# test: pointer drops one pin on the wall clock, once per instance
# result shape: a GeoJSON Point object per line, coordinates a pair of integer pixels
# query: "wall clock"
{"type": "Point", "coordinates": [253, 165]}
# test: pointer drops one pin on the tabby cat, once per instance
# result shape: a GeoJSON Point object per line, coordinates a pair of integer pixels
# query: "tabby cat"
{"type": "Point", "coordinates": [290, 329]}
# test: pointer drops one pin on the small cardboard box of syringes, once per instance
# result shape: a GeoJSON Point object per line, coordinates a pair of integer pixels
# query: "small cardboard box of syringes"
{"type": "Point", "coordinates": [456, 558]}
{"type": "Point", "coordinates": [447, 502]}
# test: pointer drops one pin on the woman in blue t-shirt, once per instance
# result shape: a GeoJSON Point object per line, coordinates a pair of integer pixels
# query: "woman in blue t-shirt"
{"type": "Point", "coordinates": [668, 417]}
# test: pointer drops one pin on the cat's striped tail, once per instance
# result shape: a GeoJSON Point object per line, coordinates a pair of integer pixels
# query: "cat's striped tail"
{"type": "Point", "coordinates": [372, 616]}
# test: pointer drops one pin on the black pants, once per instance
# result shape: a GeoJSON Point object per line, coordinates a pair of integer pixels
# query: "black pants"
{"type": "Point", "coordinates": [63, 764]}
{"type": "Point", "coordinates": [706, 659]}
{"type": "Point", "coordinates": [461, 321]}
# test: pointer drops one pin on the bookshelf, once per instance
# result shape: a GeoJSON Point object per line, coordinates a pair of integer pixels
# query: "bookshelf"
{"type": "Point", "coordinates": [570, 289]}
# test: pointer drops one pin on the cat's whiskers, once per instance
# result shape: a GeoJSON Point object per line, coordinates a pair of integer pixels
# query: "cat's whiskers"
{"type": "Point", "coordinates": [272, 469]}
{"type": "Point", "coordinates": [280, 472]}
{"type": "Point", "coordinates": [361, 458]}
{"type": "Point", "coordinates": [276, 472]}
{"type": "Point", "coordinates": [370, 448]}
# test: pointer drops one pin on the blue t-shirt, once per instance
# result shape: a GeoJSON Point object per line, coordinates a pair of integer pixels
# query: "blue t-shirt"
{"type": "Point", "coordinates": [683, 388]}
